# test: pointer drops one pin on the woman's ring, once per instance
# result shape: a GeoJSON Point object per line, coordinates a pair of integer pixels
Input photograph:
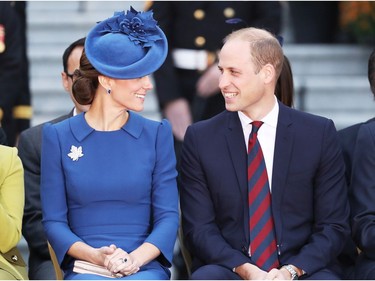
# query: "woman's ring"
{"type": "Point", "coordinates": [123, 260]}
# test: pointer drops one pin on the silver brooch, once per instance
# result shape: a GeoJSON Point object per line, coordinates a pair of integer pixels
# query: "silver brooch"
{"type": "Point", "coordinates": [75, 153]}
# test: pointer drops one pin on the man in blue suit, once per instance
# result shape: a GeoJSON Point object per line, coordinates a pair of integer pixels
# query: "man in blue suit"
{"type": "Point", "coordinates": [362, 201]}
{"type": "Point", "coordinates": [358, 267]}
{"type": "Point", "coordinates": [362, 192]}
{"type": "Point", "coordinates": [304, 164]}
{"type": "Point", "coordinates": [348, 135]}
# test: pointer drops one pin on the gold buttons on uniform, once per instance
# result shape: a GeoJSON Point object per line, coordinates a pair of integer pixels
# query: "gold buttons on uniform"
{"type": "Point", "coordinates": [200, 41]}
{"type": "Point", "coordinates": [229, 12]}
{"type": "Point", "coordinates": [199, 14]}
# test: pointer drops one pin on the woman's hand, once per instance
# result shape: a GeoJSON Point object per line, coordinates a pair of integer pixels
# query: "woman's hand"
{"type": "Point", "coordinates": [121, 262]}
{"type": "Point", "coordinates": [81, 251]}
{"type": "Point", "coordinates": [103, 252]}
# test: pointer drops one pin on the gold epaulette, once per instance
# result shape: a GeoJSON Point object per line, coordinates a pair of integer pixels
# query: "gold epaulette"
{"type": "Point", "coordinates": [22, 112]}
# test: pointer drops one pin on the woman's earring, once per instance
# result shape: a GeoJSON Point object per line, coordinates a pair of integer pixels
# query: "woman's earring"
{"type": "Point", "coordinates": [109, 91]}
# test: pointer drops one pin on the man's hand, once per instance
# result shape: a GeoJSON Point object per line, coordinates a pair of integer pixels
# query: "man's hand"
{"type": "Point", "coordinates": [248, 271]}
{"type": "Point", "coordinates": [179, 114]}
{"type": "Point", "coordinates": [278, 274]}
{"type": "Point", "coordinates": [208, 83]}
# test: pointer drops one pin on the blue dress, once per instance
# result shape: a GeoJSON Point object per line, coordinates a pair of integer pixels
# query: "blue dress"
{"type": "Point", "coordinates": [110, 187]}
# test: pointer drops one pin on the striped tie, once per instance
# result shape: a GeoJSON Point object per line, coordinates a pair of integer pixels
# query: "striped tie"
{"type": "Point", "coordinates": [262, 234]}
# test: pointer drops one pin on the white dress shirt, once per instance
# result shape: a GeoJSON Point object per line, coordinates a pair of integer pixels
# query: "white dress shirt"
{"type": "Point", "coordinates": [266, 135]}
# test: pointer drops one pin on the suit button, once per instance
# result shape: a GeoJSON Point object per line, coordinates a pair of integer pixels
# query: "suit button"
{"type": "Point", "coordinates": [229, 12]}
{"type": "Point", "coordinates": [199, 14]}
{"type": "Point", "coordinates": [200, 41]}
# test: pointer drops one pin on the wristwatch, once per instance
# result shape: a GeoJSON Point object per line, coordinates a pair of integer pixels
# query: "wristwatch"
{"type": "Point", "coordinates": [291, 271]}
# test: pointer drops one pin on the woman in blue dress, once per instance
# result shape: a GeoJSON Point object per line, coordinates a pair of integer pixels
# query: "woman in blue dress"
{"type": "Point", "coordinates": [108, 181]}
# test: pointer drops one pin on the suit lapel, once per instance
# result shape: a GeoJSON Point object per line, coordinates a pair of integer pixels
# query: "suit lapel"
{"type": "Point", "coordinates": [237, 149]}
{"type": "Point", "coordinates": [282, 156]}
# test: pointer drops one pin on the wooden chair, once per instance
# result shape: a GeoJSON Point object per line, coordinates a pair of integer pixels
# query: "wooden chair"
{"type": "Point", "coordinates": [58, 271]}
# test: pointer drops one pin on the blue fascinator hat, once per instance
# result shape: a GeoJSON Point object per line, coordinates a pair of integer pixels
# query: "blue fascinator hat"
{"type": "Point", "coordinates": [127, 46]}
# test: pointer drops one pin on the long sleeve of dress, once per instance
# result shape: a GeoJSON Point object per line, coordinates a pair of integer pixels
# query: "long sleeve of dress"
{"type": "Point", "coordinates": [164, 195]}
{"type": "Point", "coordinates": [53, 195]}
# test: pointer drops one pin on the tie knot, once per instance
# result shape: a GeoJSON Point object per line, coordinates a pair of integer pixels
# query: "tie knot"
{"type": "Point", "coordinates": [256, 126]}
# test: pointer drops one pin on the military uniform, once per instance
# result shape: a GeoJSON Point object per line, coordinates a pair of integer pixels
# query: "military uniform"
{"type": "Point", "coordinates": [15, 109]}
{"type": "Point", "coordinates": [3, 137]}
{"type": "Point", "coordinates": [195, 31]}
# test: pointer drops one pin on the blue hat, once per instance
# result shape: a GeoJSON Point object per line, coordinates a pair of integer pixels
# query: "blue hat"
{"type": "Point", "coordinates": [127, 46]}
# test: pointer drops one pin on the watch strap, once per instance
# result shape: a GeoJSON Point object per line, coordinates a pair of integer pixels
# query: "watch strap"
{"type": "Point", "coordinates": [291, 271]}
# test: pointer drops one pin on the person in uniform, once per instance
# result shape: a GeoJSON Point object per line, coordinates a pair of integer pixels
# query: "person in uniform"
{"type": "Point", "coordinates": [22, 112]}
{"type": "Point", "coordinates": [3, 137]}
{"type": "Point", "coordinates": [15, 109]}
{"type": "Point", "coordinates": [187, 83]}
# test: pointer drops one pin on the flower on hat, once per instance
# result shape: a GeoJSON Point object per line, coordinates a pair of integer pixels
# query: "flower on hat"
{"type": "Point", "coordinates": [139, 26]}
{"type": "Point", "coordinates": [127, 45]}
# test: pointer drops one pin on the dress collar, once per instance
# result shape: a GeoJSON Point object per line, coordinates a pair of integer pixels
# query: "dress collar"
{"type": "Point", "coordinates": [81, 129]}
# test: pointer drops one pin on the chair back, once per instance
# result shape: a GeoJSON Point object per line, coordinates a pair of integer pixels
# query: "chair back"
{"type": "Point", "coordinates": [185, 253]}
{"type": "Point", "coordinates": [58, 271]}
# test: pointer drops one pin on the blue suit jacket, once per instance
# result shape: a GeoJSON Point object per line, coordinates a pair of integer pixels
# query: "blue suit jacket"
{"type": "Point", "coordinates": [349, 257]}
{"type": "Point", "coordinates": [309, 199]}
{"type": "Point", "coordinates": [29, 150]}
{"type": "Point", "coordinates": [348, 137]}
{"type": "Point", "coordinates": [362, 200]}
{"type": "Point", "coordinates": [363, 182]}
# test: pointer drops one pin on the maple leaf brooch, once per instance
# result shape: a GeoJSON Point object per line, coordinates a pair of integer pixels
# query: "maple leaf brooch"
{"type": "Point", "coordinates": [75, 153]}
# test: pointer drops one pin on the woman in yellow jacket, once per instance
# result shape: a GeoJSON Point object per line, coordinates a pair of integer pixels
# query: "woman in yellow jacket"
{"type": "Point", "coordinates": [11, 211]}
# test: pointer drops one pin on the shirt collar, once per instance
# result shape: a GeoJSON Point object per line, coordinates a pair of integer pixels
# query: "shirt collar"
{"type": "Point", "coordinates": [270, 119]}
